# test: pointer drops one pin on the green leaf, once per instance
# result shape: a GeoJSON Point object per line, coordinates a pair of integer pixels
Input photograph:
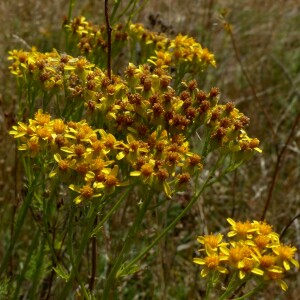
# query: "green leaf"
{"type": "Point", "coordinates": [59, 270]}
{"type": "Point", "coordinates": [124, 271]}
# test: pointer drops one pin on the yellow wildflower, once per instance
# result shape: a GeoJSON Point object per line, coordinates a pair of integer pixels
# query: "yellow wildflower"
{"type": "Point", "coordinates": [242, 230]}
{"type": "Point", "coordinates": [285, 255]}
{"type": "Point", "coordinates": [212, 262]}
{"type": "Point", "coordinates": [212, 241]}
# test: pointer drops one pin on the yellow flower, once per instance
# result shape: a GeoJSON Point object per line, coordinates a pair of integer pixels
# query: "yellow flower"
{"type": "Point", "coordinates": [264, 229]}
{"type": "Point", "coordinates": [211, 263]}
{"type": "Point", "coordinates": [132, 149]}
{"type": "Point", "coordinates": [285, 255]}
{"type": "Point", "coordinates": [207, 57]}
{"type": "Point", "coordinates": [276, 276]}
{"type": "Point", "coordinates": [242, 230]}
{"type": "Point", "coordinates": [109, 181]}
{"type": "Point", "coordinates": [262, 241]}
{"type": "Point", "coordinates": [212, 241]}
{"type": "Point", "coordinates": [76, 151]}
{"type": "Point", "coordinates": [41, 118]}
{"type": "Point", "coordinates": [63, 165]}
{"type": "Point", "coordinates": [268, 262]}
{"type": "Point", "coordinates": [237, 253]}
{"type": "Point", "coordinates": [23, 129]}
{"type": "Point", "coordinates": [250, 266]}
{"type": "Point", "coordinates": [86, 193]}
{"type": "Point", "coordinates": [32, 145]}
{"type": "Point", "coordinates": [146, 172]}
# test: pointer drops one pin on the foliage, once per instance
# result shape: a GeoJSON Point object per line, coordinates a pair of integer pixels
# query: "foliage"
{"type": "Point", "coordinates": [103, 151]}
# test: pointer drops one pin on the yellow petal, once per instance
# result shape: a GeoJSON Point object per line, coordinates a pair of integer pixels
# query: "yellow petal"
{"type": "Point", "coordinates": [231, 233]}
{"type": "Point", "coordinates": [222, 270]}
{"type": "Point", "coordinates": [231, 222]}
{"type": "Point", "coordinates": [257, 271]}
{"type": "Point", "coordinates": [199, 261]}
{"type": "Point", "coordinates": [135, 173]}
{"type": "Point", "coordinates": [167, 189]}
{"type": "Point", "coordinates": [204, 272]}
{"type": "Point", "coordinates": [283, 285]}
{"type": "Point", "coordinates": [242, 274]}
{"type": "Point", "coordinates": [286, 265]}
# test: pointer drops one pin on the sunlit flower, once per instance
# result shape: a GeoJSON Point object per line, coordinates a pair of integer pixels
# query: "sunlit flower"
{"type": "Point", "coordinates": [86, 192]}
{"type": "Point", "coordinates": [249, 266]}
{"type": "Point", "coordinates": [265, 229]}
{"type": "Point", "coordinates": [285, 255]}
{"type": "Point", "coordinates": [277, 277]}
{"type": "Point", "coordinates": [213, 241]}
{"type": "Point", "coordinates": [237, 254]}
{"type": "Point", "coordinates": [22, 129]}
{"type": "Point", "coordinates": [212, 262]}
{"type": "Point", "coordinates": [63, 165]}
{"type": "Point", "coordinates": [242, 230]}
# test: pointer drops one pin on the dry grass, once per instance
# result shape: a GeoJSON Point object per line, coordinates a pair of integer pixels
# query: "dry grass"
{"type": "Point", "coordinates": [258, 69]}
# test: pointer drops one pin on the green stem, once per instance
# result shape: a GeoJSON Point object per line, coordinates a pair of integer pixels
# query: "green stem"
{"type": "Point", "coordinates": [114, 208]}
{"type": "Point", "coordinates": [71, 253]}
{"type": "Point", "coordinates": [208, 287]}
{"type": "Point", "coordinates": [83, 244]}
{"type": "Point", "coordinates": [233, 284]}
{"type": "Point", "coordinates": [128, 242]}
{"type": "Point", "coordinates": [19, 223]}
{"type": "Point", "coordinates": [71, 5]}
{"type": "Point", "coordinates": [46, 219]}
{"type": "Point", "coordinates": [254, 291]}
{"type": "Point", "coordinates": [116, 6]}
{"type": "Point", "coordinates": [176, 220]}
{"type": "Point", "coordinates": [26, 263]}
{"type": "Point", "coordinates": [37, 271]}
{"type": "Point", "coordinates": [163, 233]}
{"type": "Point", "coordinates": [124, 12]}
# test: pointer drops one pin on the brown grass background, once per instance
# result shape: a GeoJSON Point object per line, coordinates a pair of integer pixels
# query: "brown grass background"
{"type": "Point", "coordinates": [258, 68]}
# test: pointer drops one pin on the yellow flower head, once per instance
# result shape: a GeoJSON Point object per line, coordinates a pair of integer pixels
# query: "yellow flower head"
{"type": "Point", "coordinates": [42, 118]}
{"type": "Point", "coordinates": [242, 230]}
{"type": "Point", "coordinates": [276, 276]}
{"type": "Point", "coordinates": [212, 262]}
{"type": "Point", "coordinates": [212, 241]}
{"type": "Point", "coordinates": [285, 255]}
{"type": "Point", "coordinates": [238, 254]}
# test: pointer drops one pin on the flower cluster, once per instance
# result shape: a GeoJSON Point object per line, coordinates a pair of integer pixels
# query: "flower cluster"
{"type": "Point", "coordinates": [155, 47]}
{"type": "Point", "coordinates": [91, 39]}
{"type": "Point", "coordinates": [139, 103]}
{"type": "Point", "coordinates": [171, 52]}
{"type": "Point", "coordinates": [148, 120]}
{"type": "Point", "coordinates": [80, 156]}
{"type": "Point", "coordinates": [144, 123]}
{"type": "Point", "coordinates": [253, 249]}
{"type": "Point", "coordinates": [94, 163]}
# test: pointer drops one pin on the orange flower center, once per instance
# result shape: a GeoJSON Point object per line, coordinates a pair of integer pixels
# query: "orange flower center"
{"type": "Point", "coordinates": [58, 126]}
{"type": "Point", "coordinates": [262, 241]}
{"type": "Point", "coordinates": [111, 180]}
{"type": "Point", "coordinates": [33, 146]}
{"type": "Point", "coordinates": [79, 150]}
{"type": "Point", "coordinates": [63, 165]}
{"type": "Point", "coordinates": [146, 170]}
{"type": "Point", "coordinates": [42, 119]}
{"type": "Point", "coordinates": [242, 228]}
{"type": "Point", "coordinates": [211, 240]}
{"type": "Point", "coordinates": [265, 228]}
{"type": "Point", "coordinates": [285, 252]}
{"type": "Point", "coordinates": [267, 261]}
{"type": "Point", "coordinates": [212, 261]}
{"type": "Point", "coordinates": [86, 191]}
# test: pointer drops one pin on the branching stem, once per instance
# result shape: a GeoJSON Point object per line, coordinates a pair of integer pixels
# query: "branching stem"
{"type": "Point", "coordinates": [109, 29]}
